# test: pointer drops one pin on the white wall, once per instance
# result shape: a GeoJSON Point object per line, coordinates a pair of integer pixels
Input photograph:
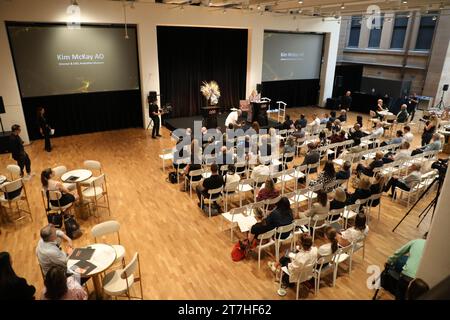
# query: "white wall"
{"type": "Point", "coordinates": [147, 16]}
{"type": "Point", "coordinates": [435, 263]}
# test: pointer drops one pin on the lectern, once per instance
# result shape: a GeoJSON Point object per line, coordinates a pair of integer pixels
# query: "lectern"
{"type": "Point", "coordinates": [259, 112]}
{"type": "Point", "coordinates": [210, 116]}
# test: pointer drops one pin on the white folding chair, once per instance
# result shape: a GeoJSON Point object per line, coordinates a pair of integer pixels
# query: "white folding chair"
{"type": "Point", "coordinates": [229, 190]}
{"type": "Point", "coordinates": [233, 217]}
{"type": "Point", "coordinates": [14, 192]}
{"type": "Point", "coordinates": [119, 282]}
{"type": "Point", "coordinates": [103, 229]}
{"type": "Point", "coordinates": [166, 155]}
{"type": "Point", "coordinates": [318, 221]}
{"type": "Point", "coordinates": [343, 254]}
{"type": "Point", "coordinates": [324, 266]}
{"type": "Point", "coordinates": [193, 179]}
{"type": "Point", "coordinates": [93, 165]}
{"type": "Point", "coordinates": [350, 212]}
{"type": "Point", "coordinates": [97, 191]}
{"type": "Point", "coordinates": [301, 226]}
{"type": "Point", "coordinates": [263, 246]}
{"type": "Point", "coordinates": [372, 199]}
{"type": "Point", "coordinates": [304, 275]}
{"type": "Point", "coordinates": [245, 185]}
{"type": "Point", "coordinates": [14, 171]}
{"type": "Point", "coordinates": [213, 196]}
{"type": "Point", "coordinates": [279, 241]}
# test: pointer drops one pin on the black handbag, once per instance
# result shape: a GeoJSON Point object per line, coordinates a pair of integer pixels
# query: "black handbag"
{"type": "Point", "coordinates": [72, 227]}
{"type": "Point", "coordinates": [172, 178]}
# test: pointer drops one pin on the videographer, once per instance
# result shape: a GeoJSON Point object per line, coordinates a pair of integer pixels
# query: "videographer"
{"type": "Point", "coordinates": [406, 261]}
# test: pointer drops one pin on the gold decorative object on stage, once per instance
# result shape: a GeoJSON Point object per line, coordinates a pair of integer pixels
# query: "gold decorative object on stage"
{"type": "Point", "coordinates": [211, 92]}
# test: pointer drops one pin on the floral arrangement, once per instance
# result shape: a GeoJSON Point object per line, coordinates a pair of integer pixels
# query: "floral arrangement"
{"type": "Point", "coordinates": [211, 92]}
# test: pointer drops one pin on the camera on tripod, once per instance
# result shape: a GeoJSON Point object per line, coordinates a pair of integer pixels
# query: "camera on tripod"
{"type": "Point", "coordinates": [441, 166]}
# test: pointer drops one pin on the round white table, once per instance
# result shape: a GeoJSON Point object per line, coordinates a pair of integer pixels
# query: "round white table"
{"type": "Point", "coordinates": [82, 175]}
{"type": "Point", "coordinates": [103, 257]}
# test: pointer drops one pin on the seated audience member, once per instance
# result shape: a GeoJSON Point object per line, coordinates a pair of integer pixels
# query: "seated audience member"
{"type": "Point", "coordinates": [48, 249]}
{"type": "Point", "coordinates": [289, 145]}
{"type": "Point", "coordinates": [407, 135]}
{"type": "Point", "coordinates": [403, 115]}
{"type": "Point", "coordinates": [339, 199]}
{"type": "Point", "coordinates": [332, 245]}
{"type": "Point", "coordinates": [356, 134]}
{"type": "Point", "coordinates": [296, 261]}
{"type": "Point", "coordinates": [225, 156]}
{"type": "Point", "coordinates": [368, 170]}
{"type": "Point", "coordinates": [406, 261]}
{"type": "Point", "coordinates": [355, 233]}
{"type": "Point", "coordinates": [343, 116]}
{"type": "Point", "coordinates": [315, 123]}
{"type": "Point", "coordinates": [445, 116]}
{"type": "Point", "coordinates": [258, 228]}
{"type": "Point", "coordinates": [268, 192]}
{"type": "Point", "coordinates": [345, 172]}
{"type": "Point", "coordinates": [430, 129]}
{"type": "Point", "coordinates": [323, 141]}
{"type": "Point", "coordinates": [319, 208]}
{"type": "Point", "coordinates": [377, 132]}
{"type": "Point", "coordinates": [312, 156]}
{"type": "Point", "coordinates": [337, 125]}
{"type": "Point", "coordinates": [332, 116]}
{"type": "Point", "coordinates": [359, 120]}
{"type": "Point", "coordinates": [49, 184]}
{"type": "Point", "coordinates": [325, 118]}
{"type": "Point", "coordinates": [361, 192]}
{"type": "Point", "coordinates": [299, 132]}
{"type": "Point", "coordinates": [60, 287]}
{"type": "Point", "coordinates": [377, 187]}
{"type": "Point", "coordinates": [213, 182]}
{"type": "Point", "coordinates": [231, 176]}
{"type": "Point", "coordinates": [416, 289]}
{"type": "Point", "coordinates": [380, 105]}
{"type": "Point", "coordinates": [398, 139]}
{"type": "Point", "coordinates": [282, 215]}
{"type": "Point", "coordinates": [402, 154]}
{"type": "Point", "coordinates": [260, 170]}
{"type": "Point", "coordinates": [13, 287]}
{"type": "Point", "coordinates": [288, 123]}
{"type": "Point", "coordinates": [329, 127]}
{"type": "Point", "coordinates": [326, 177]}
{"type": "Point", "coordinates": [256, 127]}
{"type": "Point", "coordinates": [302, 122]}
{"type": "Point", "coordinates": [434, 145]}
{"type": "Point", "coordinates": [413, 177]}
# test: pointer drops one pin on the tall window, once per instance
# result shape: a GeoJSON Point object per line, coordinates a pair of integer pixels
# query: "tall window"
{"type": "Point", "coordinates": [355, 30]}
{"type": "Point", "coordinates": [426, 31]}
{"type": "Point", "coordinates": [399, 32]}
{"type": "Point", "coordinates": [375, 33]}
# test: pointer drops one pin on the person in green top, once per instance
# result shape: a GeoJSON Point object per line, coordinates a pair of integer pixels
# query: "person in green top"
{"type": "Point", "coordinates": [406, 261]}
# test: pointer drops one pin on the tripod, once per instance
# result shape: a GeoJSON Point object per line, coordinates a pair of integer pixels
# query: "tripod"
{"type": "Point", "coordinates": [440, 104]}
{"type": "Point", "coordinates": [432, 204]}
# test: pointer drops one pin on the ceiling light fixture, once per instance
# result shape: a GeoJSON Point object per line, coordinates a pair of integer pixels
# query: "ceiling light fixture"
{"type": "Point", "coordinates": [404, 2]}
{"type": "Point", "coordinates": [441, 7]}
{"type": "Point", "coordinates": [300, 1]}
{"type": "Point", "coordinates": [300, 10]}
{"type": "Point", "coordinates": [259, 7]}
{"type": "Point", "coordinates": [343, 6]}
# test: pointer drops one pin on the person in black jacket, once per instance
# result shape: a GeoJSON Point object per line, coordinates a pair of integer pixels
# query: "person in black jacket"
{"type": "Point", "coordinates": [213, 182]}
{"type": "Point", "coordinates": [18, 152]}
{"type": "Point", "coordinates": [312, 156]}
{"type": "Point", "coordinates": [44, 128]}
{"type": "Point", "coordinates": [356, 134]}
{"type": "Point", "coordinates": [13, 287]}
{"type": "Point", "coordinates": [154, 115]}
{"type": "Point", "coordinates": [345, 172]}
{"type": "Point", "coordinates": [376, 163]}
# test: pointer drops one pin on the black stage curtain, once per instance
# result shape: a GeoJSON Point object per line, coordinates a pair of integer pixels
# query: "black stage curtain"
{"type": "Point", "coordinates": [188, 56]}
{"type": "Point", "coordinates": [85, 112]}
{"type": "Point", "coordinates": [296, 93]}
{"type": "Point", "coordinates": [347, 77]}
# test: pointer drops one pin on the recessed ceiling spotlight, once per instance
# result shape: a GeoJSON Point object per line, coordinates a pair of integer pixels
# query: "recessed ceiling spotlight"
{"type": "Point", "coordinates": [343, 6]}
{"type": "Point", "coordinates": [259, 7]}
{"type": "Point", "coordinates": [300, 10]}
{"type": "Point", "coordinates": [404, 2]}
{"type": "Point", "coordinates": [300, 1]}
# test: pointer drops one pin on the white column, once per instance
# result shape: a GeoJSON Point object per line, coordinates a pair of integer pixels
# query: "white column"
{"type": "Point", "coordinates": [435, 263]}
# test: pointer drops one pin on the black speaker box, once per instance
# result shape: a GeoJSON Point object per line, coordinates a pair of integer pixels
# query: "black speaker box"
{"type": "Point", "coordinates": [152, 96]}
{"type": "Point", "coordinates": [445, 88]}
{"type": "Point", "coordinates": [2, 106]}
{"type": "Point", "coordinates": [258, 87]}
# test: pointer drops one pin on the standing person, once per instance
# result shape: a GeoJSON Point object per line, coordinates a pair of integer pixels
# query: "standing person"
{"type": "Point", "coordinates": [12, 287]}
{"type": "Point", "coordinates": [429, 130]}
{"type": "Point", "coordinates": [44, 128]}
{"type": "Point", "coordinates": [154, 115]}
{"type": "Point", "coordinates": [346, 101]}
{"type": "Point", "coordinates": [413, 102]}
{"type": "Point", "coordinates": [18, 151]}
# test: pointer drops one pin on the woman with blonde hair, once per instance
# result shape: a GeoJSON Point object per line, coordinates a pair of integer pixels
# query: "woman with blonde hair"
{"type": "Point", "coordinates": [361, 192]}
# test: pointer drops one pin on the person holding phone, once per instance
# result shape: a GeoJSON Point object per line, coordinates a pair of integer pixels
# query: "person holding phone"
{"type": "Point", "coordinates": [154, 115]}
{"type": "Point", "coordinates": [44, 128]}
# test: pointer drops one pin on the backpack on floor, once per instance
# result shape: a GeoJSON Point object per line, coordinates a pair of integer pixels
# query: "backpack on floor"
{"type": "Point", "coordinates": [172, 178]}
{"type": "Point", "coordinates": [239, 251]}
{"type": "Point", "coordinates": [72, 227]}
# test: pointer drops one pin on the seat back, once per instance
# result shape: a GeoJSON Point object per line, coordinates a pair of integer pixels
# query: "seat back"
{"type": "Point", "coordinates": [96, 165]}
{"type": "Point", "coordinates": [14, 170]}
{"type": "Point", "coordinates": [261, 179]}
{"type": "Point", "coordinates": [333, 213]}
{"type": "Point", "coordinates": [59, 171]}
{"type": "Point", "coordinates": [130, 268]}
{"type": "Point", "coordinates": [54, 195]}
{"type": "Point", "coordinates": [267, 235]}
{"type": "Point", "coordinates": [99, 181]}
{"type": "Point", "coordinates": [195, 173]}
{"type": "Point", "coordinates": [323, 261]}
{"type": "Point", "coordinates": [306, 272]}
{"type": "Point", "coordinates": [313, 166]}
{"type": "Point", "coordinates": [105, 228]}
{"type": "Point", "coordinates": [216, 192]}
{"type": "Point", "coordinates": [12, 186]}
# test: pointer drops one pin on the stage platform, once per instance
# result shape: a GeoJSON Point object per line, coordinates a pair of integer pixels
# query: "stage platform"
{"type": "Point", "coordinates": [188, 122]}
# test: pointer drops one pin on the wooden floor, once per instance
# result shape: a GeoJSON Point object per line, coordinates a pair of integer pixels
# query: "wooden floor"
{"type": "Point", "coordinates": [184, 255]}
